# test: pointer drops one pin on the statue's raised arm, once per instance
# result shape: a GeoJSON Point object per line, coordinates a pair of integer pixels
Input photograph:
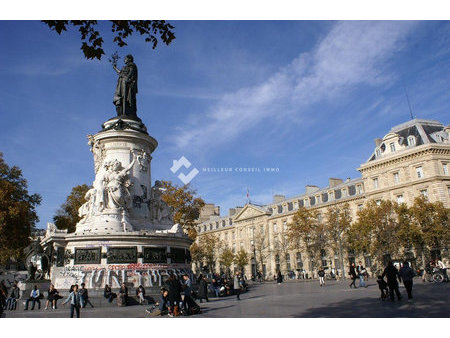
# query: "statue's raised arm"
{"type": "Point", "coordinates": [126, 89]}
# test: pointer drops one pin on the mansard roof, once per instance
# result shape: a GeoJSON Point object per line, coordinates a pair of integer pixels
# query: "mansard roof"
{"type": "Point", "coordinates": [410, 134]}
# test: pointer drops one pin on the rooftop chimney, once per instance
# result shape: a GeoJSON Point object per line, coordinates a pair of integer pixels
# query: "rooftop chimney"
{"type": "Point", "coordinates": [278, 198]}
{"type": "Point", "coordinates": [334, 182]}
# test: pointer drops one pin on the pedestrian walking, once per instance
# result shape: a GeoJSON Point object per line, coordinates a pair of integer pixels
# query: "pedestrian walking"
{"type": "Point", "coordinates": [203, 289]}
{"type": "Point", "coordinates": [392, 274]}
{"type": "Point", "coordinates": [321, 274]}
{"type": "Point", "coordinates": [361, 273]}
{"type": "Point", "coordinates": [279, 277]}
{"type": "Point", "coordinates": [407, 275]}
{"type": "Point", "coordinates": [174, 297]}
{"type": "Point", "coordinates": [352, 274]}
{"type": "Point", "coordinates": [84, 296]}
{"type": "Point", "coordinates": [237, 286]}
{"type": "Point", "coordinates": [75, 301]}
{"type": "Point", "coordinates": [382, 285]}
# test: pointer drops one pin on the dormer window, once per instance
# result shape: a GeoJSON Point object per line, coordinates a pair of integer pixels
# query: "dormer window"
{"type": "Point", "coordinates": [392, 146]}
{"type": "Point", "coordinates": [411, 140]}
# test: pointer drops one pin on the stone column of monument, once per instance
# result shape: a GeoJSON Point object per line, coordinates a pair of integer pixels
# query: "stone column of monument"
{"type": "Point", "coordinates": [126, 232]}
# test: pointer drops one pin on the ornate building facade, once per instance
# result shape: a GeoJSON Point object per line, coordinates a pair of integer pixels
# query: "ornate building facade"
{"type": "Point", "coordinates": [412, 159]}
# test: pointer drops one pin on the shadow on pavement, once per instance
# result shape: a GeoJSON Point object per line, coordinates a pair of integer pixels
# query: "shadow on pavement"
{"type": "Point", "coordinates": [375, 308]}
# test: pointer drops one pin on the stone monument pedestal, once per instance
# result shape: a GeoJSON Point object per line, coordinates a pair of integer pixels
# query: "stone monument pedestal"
{"type": "Point", "coordinates": [126, 233]}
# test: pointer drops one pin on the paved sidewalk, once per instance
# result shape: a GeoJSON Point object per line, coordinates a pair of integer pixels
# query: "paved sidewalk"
{"type": "Point", "coordinates": [293, 300]}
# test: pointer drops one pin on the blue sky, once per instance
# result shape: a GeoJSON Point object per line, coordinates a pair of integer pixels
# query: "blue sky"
{"type": "Point", "coordinates": [306, 97]}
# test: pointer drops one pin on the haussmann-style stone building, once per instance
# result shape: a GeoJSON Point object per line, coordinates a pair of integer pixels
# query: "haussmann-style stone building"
{"type": "Point", "coordinates": [412, 159]}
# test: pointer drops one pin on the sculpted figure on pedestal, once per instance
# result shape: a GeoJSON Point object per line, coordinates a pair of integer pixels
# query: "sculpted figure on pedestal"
{"type": "Point", "coordinates": [114, 192]}
{"type": "Point", "coordinates": [126, 90]}
{"type": "Point", "coordinates": [160, 210]}
{"type": "Point", "coordinates": [87, 209]}
{"type": "Point", "coordinates": [98, 150]}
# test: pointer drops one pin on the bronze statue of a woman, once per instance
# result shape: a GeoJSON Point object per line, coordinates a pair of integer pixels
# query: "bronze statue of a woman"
{"type": "Point", "coordinates": [126, 90]}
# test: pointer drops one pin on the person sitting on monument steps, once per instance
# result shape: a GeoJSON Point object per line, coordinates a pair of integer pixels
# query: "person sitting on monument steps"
{"type": "Point", "coordinates": [84, 296]}
{"type": "Point", "coordinates": [140, 292]}
{"type": "Point", "coordinates": [108, 294]}
{"type": "Point", "coordinates": [11, 301]}
{"type": "Point", "coordinates": [52, 297]}
{"type": "Point", "coordinates": [123, 295]}
{"type": "Point", "coordinates": [35, 296]}
{"type": "Point", "coordinates": [163, 304]}
{"type": "Point", "coordinates": [75, 302]}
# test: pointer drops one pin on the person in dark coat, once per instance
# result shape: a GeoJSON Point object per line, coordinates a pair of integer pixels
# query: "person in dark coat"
{"type": "Point", "coordinates": [392, 274]}
{"type": "Point", "coordinates": [407, 275]}
{"type": "Point", "coordinates": [353, 275]}
{"type": "Point", "coordinates": [203, 289]}
{"type": "Point", "coordinates": [174, 297]}
{"type": "Point", "coordinates": [279, 277]}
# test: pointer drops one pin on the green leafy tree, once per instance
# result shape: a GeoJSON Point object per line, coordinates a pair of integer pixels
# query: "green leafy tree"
{"type": "Point", "coordinates": [305, 231]}
{"type": "Point", "coordinates": [210, 246]}
{"type": "Point", "coordinates": [226, 259]}
{"type": "Point", "coordinates": [241, 259]}
{"type": "Point", "coordinates": [67, 215]}
{"type": "Point", "coordinates": [337, 224]}
{"type": "Point", "coordinates": [17, 212]}
{"type": "Point", "coordinates": [261, 246]}
{"type": "Point", "coordinates": [185, 206]}
{"type": "Point", "coordinates": [197, 255]}
{"type": "Point", "coordinates": [92, 40]}
{"type": "Point", "coordinates": [376, 231]}
{"type": "Point", "coordinates": [430, 226]}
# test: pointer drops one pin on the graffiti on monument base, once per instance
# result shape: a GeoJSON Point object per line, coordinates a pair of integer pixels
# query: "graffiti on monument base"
{"type": "Point", "coordinates": [95, 277]}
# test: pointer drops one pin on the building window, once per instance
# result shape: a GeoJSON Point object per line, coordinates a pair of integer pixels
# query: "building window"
{"type": "Point", "coordinates": [445, 168]}
{"type": "Point", "coordinates": [396, 178]}
{"type": "Point", "coordinates": [277, 263]}
{"type": "Point", "coordinates": [392, 146]}
{"type": "Point", "coordinates": [367, 261]}
{"type": "Point", "coordinates": [288, 262]}
{"type": "Point", "coordinates": [375, 183]}
{"type": "Point", "coordinates": [378, 202]}
{"type": "Point", "coordinates": [275, 228]}
{"type": "Point", "coordinates": [285, 226]}
{"type": "Point", "coordinates": [411, 140]}
{"type": "Point", "coordinates": [319, 217]}
{"type": "Point", "coordinates": [359, 189]}
{"type": "Point", "coordinates": [299, 260]}
{"type": "Point", "coordinates": [360, 207]}
{"type": "Point", "coordinates": [234, 247]}
{"type": "Point", "coordinates": [419, 172]}
{"type": "Point", "coordinates": [424, 193]}
{"type": "Point", "coordinates": [400, 199]}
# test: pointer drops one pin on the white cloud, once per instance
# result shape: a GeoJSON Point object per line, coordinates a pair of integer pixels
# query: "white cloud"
{"type": "Point", "coordinates": [352, 53]}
